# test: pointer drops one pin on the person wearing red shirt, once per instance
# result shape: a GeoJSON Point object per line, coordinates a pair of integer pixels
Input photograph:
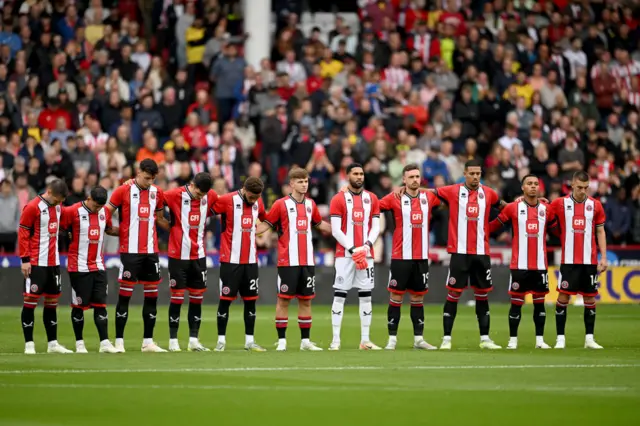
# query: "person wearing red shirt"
{"type": "Point", "coordinates": [38, 248]}
{"type": "Point", "coordinates": [49, 116]}
{"type": "Point", "coordinates": [195, 134]}
{"type": "Point", "coordinates": [409, 270]}
{"type": "Point", "coordinates": [581, 219]}
{"type": "Point", "coordinates": [87, 223]}
{"type": "Point", "coordinates": [530, 218]}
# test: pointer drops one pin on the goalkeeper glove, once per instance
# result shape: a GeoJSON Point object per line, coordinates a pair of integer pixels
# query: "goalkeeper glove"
{"type": "Point", "coordinates": [360, 259]}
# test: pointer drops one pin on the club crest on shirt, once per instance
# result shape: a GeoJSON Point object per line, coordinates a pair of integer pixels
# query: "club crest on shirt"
{"type": "Point", "coordinates": [203, 202]}
{"type": "Point", "coordinates": [423, 201]}
{"type": "Point", "coordinates": [542, 213]}
{"type": "Point", "coordinates": [255, 206]}
{"type": "Point", "coordinates": [308, 209]}
{"type": "Point", "coordinates": [152, 195]}
{"type": "Point", "coordinates": [481, 195]}
{"type": "Point", "coordinates": [366, 201]}
{"type": "Point", "coordinates": [589, 208]}
{"type": "Point", "coordinates": [101, 217]}
{"type": "Point", "coordinates": [58, 209]}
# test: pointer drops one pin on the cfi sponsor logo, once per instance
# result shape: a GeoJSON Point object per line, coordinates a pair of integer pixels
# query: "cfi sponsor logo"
{"type": "Point", "coordinates": [284, 288]}
{"type": "Point", "coordinates": [515, 286]}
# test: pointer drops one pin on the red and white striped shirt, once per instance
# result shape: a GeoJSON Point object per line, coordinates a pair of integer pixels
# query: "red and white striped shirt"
{"type": "Point", "coordinates": [624, 73]}
{"type": "Point", "coordinates": [137, 208]}
{"type": "Point", "coordinates": [87, 236]}
{"type": "Point", "coordinates": [294, 221]}
{"type": "Point", "coordinates": [94, 142]}
{"type": "Point", "coordinates": [468, 217]}
{"type": "Point", "coordinates": [38, 233]}
{"type": "Point", "coordinates": [239, 219]}
{"type": "Point", "coordinates": [395, 77]}
{"type": "Point", "coordinates": [423, 44]}
{"type": "Point", "coordinates": [578, 222]}
{"type": "Point", "coordinates": [412, 215]}
{"type": "Point", "coordinates": [529, 247]}
{"type": "Point", "coordinates": [355, 213]}
{"type": "Point", "coordinates": [188, 219]}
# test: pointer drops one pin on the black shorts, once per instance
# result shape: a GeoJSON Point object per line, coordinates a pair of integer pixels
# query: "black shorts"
{"type": "Point", "coordinates": [236, 278]}
{"type": "Point", "coordinates": [578, 279]}
{"type": "Point", "coordinates": [297, 281]}
{"type": "Point", "coordinates": [409, 275]}
{"type": "Point", "coordinates": [188, 274]}
{"type": "Point", "coordinates": [139, 268]}
{"type": "Point", "coordinates": [88, 289]}
{"type": "Point", "coordinates": [470, 269]}
{"type": "Point", "coordinates": [44, 280]}
{"type": "Point", "coordinates": [524, 281]}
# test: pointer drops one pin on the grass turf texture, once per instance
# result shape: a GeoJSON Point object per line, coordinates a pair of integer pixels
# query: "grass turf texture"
{"type": "Point", "coordinates": [350, 387]}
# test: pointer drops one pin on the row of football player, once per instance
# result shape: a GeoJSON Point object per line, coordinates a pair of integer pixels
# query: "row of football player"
{"type": "Point", "coordinates": [354, 224]}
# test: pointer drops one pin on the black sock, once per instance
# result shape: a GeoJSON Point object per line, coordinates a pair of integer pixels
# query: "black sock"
{"type": "Point", "coordinates": [149, 313]}
{"type": "Point", "coordinates": [449, 314]}
{"type": "Point", "coordinates": [589, 318]}
{"type": "Point", "coordinates": [195, 318]}
{"type": "Point", "coordinates": [539, 318]}
{"type": "Point", "coordinates": [515, 313]}
{"type": "Point", "coordinates": [50, 318]}
{"type": "Point", "coordinates": [305, 327]}
{"type": "Point", "coordinates": [393, 317]}
{"type": "Point", "coordinates": [417, 318]}
{"type": "Point", "coordinates": [223, 316]}
{"type": "Point", "coordinates": [77, 319]}
{"type": "Point", "coordinates": [122, 315]}
{"type": "Point", "coordinates": [561, 318]}
{"type": "Point", "coordinates": [28, 320]}
{"type": "Point", "coordinates": [101, 319]}
{"type": "Point", "coordinates": [249, 317]}
{"type": "Point", "coordinates": [484, 318]}
{"type": "Point", "coordinates": [281, 327]}
{"type": "Point", "coordinates": [174, 319]}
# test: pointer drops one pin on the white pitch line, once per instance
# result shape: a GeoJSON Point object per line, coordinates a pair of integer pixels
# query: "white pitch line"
{"type": "Point", "coordinates": [372, 388]}
{"type": "Point", "coordinates": [344, 368]}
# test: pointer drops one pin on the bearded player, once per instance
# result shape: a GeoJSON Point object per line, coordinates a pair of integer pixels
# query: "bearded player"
{"type": "Point", "coordinates": [294, 217]}
{"type": "Point", "coordinates": [355, 224]}
{"type": "Point", "coordinates": [87, 223]}
{"type": "Point", "coordinates": [409, 270]}
{"type": "Point", "coordinates": [581, 219]}
{"type": "Point", "coordinates": [529, 218]}
{"type": "Point", "coordinates": [189, 206]}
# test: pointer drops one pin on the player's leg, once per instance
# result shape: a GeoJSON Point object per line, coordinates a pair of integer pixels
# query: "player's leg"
{"type": "Point", "coordinates": [364, 282]}
{"type": "Point", "coordinates": [517, 291]}
{"type": "Point", "coordinates": [419, 286]}
{"type": "Point", "coordinates": [177, 288]}
{"type": "Point", "coordinates": [287, 279]}
{"type": "Point", "coordinates": [539, 291]}
{"type": "Point", "coordinates": [127, 278]}
{"type": "Point", "coordinates": [197, 287]}
{"type": "Point", "coordinates": [589, 291]}
{"type": "Point", "coordinates": [399, 274]}
{"type": "Point", "coordinates": [482, 284]}
{"type": "Point", "coordinates": [32, 293]}
{"type": "Point", "coordinates": [81, 288]}
{"type": "Point", "coordinates": [249, 292]}
{"type": "Point", "coordinates": [305, 292]}
{"type": "Point", "coordinates": [345, 274]}
{"type": "Point", "coordinates": [52, 292]}
{"type": "Point", "coordinates": [457, 280]}
{"type": "Point", "coordinates": [566, 288]}
{"type": "Point", "coordinates": [149, 277]}
{"type": "Point", "coordinates": [100, 317]}
{"type": "Point", "coordinates": [228, 293]}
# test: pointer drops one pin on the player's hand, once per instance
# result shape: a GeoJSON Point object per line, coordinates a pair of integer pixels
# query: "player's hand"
{"type": "Point", "coordinates": [602, 265]}
{"type": "Point", "coordinates": [360, 259]}
{"type": "Point", "coordinates": [26, 269]}
{"type": "Point", "coordinates": [544, 200]}
{"type": "Point", "coordinates": [399, 192]}
{"type": "Point", "coordinates": [344, 188]}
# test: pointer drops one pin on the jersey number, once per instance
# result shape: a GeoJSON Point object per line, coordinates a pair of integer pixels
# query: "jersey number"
{"type": "Point", "coordinates": [489, 275]}
{"type": "Point", "coordinates": [253, 284]}
{"type": "Point", "coordinates": [369, 273]}
{"type": "Point", "coordinates": [425, 278]}
{"type": "Point", "coordinates": [311, 283]}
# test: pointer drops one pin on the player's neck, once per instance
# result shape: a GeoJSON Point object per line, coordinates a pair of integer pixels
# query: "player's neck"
{"type": "Point", "coordinates": [532, 201]}
{"type": "Point", "coordinates": [412, 192]}
{"type": "Point", "coordinates": [355, 191]}
{"type": "Point", "coordinates": [297, 196]}
{"type": "Point", "coordinates": [578, 199]}
{"type": "Point", "coordinates": [47, 199]}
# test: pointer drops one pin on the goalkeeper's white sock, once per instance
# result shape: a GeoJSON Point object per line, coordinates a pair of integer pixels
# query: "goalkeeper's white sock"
{"type": "Point", "coordinates": [337, 313]}
{"type": "Point", "coordinates": [366, 311]}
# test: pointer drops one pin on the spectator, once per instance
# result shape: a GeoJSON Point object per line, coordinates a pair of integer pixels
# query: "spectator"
{"type": "Point", "coordinates": [10, 218]}
{"type": "Point", "coordinates": [227, 73]}
{"type": "Point", "coordinates": [618, 212]}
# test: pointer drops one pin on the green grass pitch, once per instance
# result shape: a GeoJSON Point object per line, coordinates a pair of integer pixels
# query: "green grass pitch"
{"type": "Point", "coordinates": [462, 387]}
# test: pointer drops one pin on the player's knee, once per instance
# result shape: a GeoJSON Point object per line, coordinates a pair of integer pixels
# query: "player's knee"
{"type": "Point", "coordinates": [340, 294]}
{"type": "Point", "coordinates": [126, 290]}
{"type": "Point", "coordinates": [563, 298]}
{"type": "Point", "coordinates": [150, 291]}
{"type": "Point", "coordinates": [364, 296]}
{"type": "Point", "coordinates": [395, 299]}
{"type": "Point", "coordinates": [50, 302]}
{"type": "Point", "coordinates": [177, 297]}
{"type": "Point", "coordinates": [538, 298]}
{"type": "Point", "coordinates": [303, 303]}
{"type": "Point", "coordinates": [481, 296]}
{"type": "Point", "coordinates": [453, 296]}
{"type": "Point", "coordinates": [517, 300]}
{"type": "Point", "coordinates": [30, 302]}
{"type": "Point", "coordinates": [589, 300]}
{"type": "Point", "coordinates": [417, 299]}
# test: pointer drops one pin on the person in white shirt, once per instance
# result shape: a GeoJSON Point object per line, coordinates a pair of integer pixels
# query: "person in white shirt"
{"type": "Point", "coordinates": [294, 69]}
{"type": "Point", "coordinates": [576, 57]}
{"type": "Point", "coordinates": [509, 139]}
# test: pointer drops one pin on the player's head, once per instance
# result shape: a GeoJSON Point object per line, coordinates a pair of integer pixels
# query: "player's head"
{"type": "Point", "coordinates": [411, 176]}
{"type": "Point", "coordinates": [299, 180]}
{"type": "Point", "coordinates": [56, 192]}
{"type": "Point", "coordinates": [147, 172]}
{"type": "Point", "coordinates": [472, 173]}
{"type": "Point", "coordinates": [530, 185]}
{"type": "Point", "coordinates": [253, 188]}
{"type": "Point", "coordinates": [355, 173]}
{"type": "Point", "coordinates": [579, 185]}
{"type": "Point", "coordinates": [201, 184]}
{"type": "Point", "coordinates": [97, 198]}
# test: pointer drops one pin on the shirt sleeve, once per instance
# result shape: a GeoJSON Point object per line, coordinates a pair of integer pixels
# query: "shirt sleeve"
{"type": "Point", "coordinates": [66, 217]}
{"type": "Point", "coordinates": [316, 219]}
{"type": "Point", "coordinates": [273, 215]}
{"type": "Point", "coordinates": [108, 216]}
{"type": "Point", "coordinates": [506, 213]}
{"type": "Point", "coordinates": [116, 197]}
{"type": "Point", "coordinates": [387, 202]}
{"type": "Point", "coordinates": [433, 199]}
{"type": "Point", "coordinates": [336, 208]}
{"type": "Point", "coordinates": [160, 203]}
{"type": "Point", "coordinates": [375, 206]}
{"type": "Point", "coordinates": [25, 230]}
{"type": "Point", "coordinates": [262, 214]}
{"type": "Point", "coordinates": [444, 194]}
{"type": "Point", "coordinates": [599, 216]}
{"type": "Point", "coordinates": [220, 205]}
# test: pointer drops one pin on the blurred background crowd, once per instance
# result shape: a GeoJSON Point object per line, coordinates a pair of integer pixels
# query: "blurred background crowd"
{"type": "Point", "coordinates": [89, 88]}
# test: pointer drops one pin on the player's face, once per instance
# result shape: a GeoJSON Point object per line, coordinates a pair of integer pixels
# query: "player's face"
{"type": "Point", "coordinates": [93, 205]}
{"type": "Point", "coordinates": [472, 176]}
{"type": "Point", "coordinates": [411, 179]}
{"type": "Point", "coordinates": [530, 187]}
{"type": "Point", "coordinates": [54, 199]}
{"type": "Point", "coordinates": [144, 179]}
{"type": "Point", "coordinates": [579, 189]}
{"type": "Point", "coordinates": [197, 194]}
{"type": "Point", "coordinates": [251, 197]}
{"type": "Point", "coordinates": [356, 178]}
{"type": "Point", "coordinates": [300, 185]}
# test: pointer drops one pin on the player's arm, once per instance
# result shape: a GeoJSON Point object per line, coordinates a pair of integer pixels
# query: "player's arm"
{"type": "Point", "coordinates": [317, 222]}
{"type": "Point", "coordinates": [374, 232]}
{"type": "Point", "coordinates": [601, 237]}
{"type": "Point", "coordinates": [336, 209]}
{"type": "Point", "coordinates": [386, 203]}
{"type": "Point", "coordinates": [497, 223]}
{"type": "Point", "coordinates": [109, 229]}
{"type": "Point", "coordinates": [25, 231]}
{"type": "Point", "coordinates": [553, 225]}
{"type": "Point", "coordinates": [161, 220]}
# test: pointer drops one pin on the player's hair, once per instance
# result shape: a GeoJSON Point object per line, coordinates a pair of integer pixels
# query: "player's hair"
{"type": "Point", "coordinates": [528, 176]}
{"type": "Point", "coordinates": [472, 163]}
{"type": "Point", "coordinates": [582, 176]}
{"type": "Point", "coordinates": [354, 166]}
{"type": "Point", "coordinates": [410, 167]}
{"type": "Point", "coordinates": [253, 185]}
{"type": "Point", "coordinates": [149, 166]}
{"type": "Point", "coordinates": [203, 182]}
{"type": "Point", "coordinates": [298, 173]}
{"type": "Point", "coordinates": [99, 195]}
{"type": "Point", "coordinates": [58, 188]}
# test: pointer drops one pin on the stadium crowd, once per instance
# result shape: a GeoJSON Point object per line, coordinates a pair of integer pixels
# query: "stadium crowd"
{"type": "Point", "coordinates": [88, 89]}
